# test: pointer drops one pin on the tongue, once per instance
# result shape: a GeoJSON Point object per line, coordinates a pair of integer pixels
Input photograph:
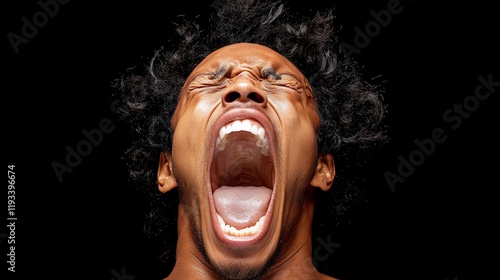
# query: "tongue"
{"type": "Point", "coordinates": [241, 207]}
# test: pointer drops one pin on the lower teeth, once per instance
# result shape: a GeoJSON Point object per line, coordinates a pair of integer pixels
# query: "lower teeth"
{"type": "Point", "coordinates": [230, 230]}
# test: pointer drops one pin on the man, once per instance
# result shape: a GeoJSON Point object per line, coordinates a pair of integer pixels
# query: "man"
{"type": "Point", "coordinates": [245, 150]}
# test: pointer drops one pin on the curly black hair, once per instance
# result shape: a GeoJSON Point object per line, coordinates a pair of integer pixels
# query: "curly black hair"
{"type": "Point", "coordinates": [351, 110]}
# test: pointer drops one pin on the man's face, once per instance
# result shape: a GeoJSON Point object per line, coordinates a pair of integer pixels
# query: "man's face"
{"type": "Point", "coordinates": [243, 156]}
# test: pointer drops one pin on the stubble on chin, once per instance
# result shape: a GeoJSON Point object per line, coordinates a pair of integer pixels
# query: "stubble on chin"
{"type": "Point", "coordinates": [237, 269]}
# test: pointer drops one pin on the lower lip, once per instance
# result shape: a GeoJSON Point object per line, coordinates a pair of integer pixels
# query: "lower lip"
{"type": "Point", "coordinates": [240, 241]}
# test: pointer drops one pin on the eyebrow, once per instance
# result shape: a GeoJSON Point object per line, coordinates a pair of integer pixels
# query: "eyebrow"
{"type": "Point", "coordinates": [271, 72]}
{"type": "Point", "coordinates": [216, 74]}
{"type": "Point", "coordinates": [221, 71]}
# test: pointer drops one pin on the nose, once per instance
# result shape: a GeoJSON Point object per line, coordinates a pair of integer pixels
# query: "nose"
{"type": "Point", "coordinates": [243, 90]}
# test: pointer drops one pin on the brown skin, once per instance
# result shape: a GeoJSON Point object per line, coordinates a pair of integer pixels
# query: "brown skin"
{"type": "Point", "coordinates": [231, 78]}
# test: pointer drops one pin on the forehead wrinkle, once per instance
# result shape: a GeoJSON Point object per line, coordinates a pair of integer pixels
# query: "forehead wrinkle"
{"type": "Point", "coordinates": [254, 70]}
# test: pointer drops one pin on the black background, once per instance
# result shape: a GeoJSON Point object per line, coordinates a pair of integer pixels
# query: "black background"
{"type": "Point", "coordinates": [437, 224]}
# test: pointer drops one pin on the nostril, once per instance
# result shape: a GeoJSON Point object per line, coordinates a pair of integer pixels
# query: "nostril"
{"type": "Point", "coordinates": [236, 96]}
{"type": "Point", "coordinates": [256, 97]}
{"type": "Point", "coordinates": [232, 96]}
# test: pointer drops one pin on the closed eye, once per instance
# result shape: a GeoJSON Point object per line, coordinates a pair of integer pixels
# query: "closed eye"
{"type": "Point", "coordinates": [274, 78]}
{"type": "Point", "coordinates": [270, 74]}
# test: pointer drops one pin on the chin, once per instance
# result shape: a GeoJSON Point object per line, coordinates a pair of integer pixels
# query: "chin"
{"type": "Point", "coordinates": [241, 269]}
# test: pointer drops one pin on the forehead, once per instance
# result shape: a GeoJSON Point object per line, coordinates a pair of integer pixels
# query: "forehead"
{"type": "Point", "coordinates": [248, 55]}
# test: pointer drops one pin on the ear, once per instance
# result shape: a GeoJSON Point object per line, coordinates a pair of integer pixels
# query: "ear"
{"type": "Point", "coordinates": [325, 172]}
{"type": "Point", "coordinates": [166, 179]}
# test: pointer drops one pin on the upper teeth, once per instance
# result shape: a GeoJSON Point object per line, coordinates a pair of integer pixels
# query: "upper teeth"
{"type": "Point", "coordinates": [244, 125]}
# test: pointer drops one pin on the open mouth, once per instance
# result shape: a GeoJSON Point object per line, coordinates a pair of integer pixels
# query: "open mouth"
{"type": "Point", "coordinates": [242, 176]}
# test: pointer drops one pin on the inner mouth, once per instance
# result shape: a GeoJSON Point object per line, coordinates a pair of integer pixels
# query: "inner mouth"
{"type": "Point", "coordinates": [242, 175]}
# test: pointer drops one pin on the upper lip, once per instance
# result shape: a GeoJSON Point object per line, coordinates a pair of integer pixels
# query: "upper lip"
{"type": "Point", "coordinates": [241, 113]}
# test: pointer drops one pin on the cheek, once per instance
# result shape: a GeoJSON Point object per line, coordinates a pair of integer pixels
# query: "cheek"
{"type": "Point", "coordinates": [302, 147]}
{"type": "Point", "coordinates": [188, 146]}
{"type": "Point", "coordinates": [282, 105]}
{"type": "Point", "coordinates": [298, 122]}
{"type": "Point", "coordinates": [299, 140]}
{"type": "Point", "coordinates": [204, 105]}
{"type": "Point", "coordinates": [191, 136]}
{"type": "Point", "coordinates": [191, 130]}
{"type": "Point", "coordinates": [184, 154]}
{"type": "Point", "coordinates": [187, 134]}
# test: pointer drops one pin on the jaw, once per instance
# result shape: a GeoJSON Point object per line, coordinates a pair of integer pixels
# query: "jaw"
{"type": "Point", "coordinates": [240, 168]}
